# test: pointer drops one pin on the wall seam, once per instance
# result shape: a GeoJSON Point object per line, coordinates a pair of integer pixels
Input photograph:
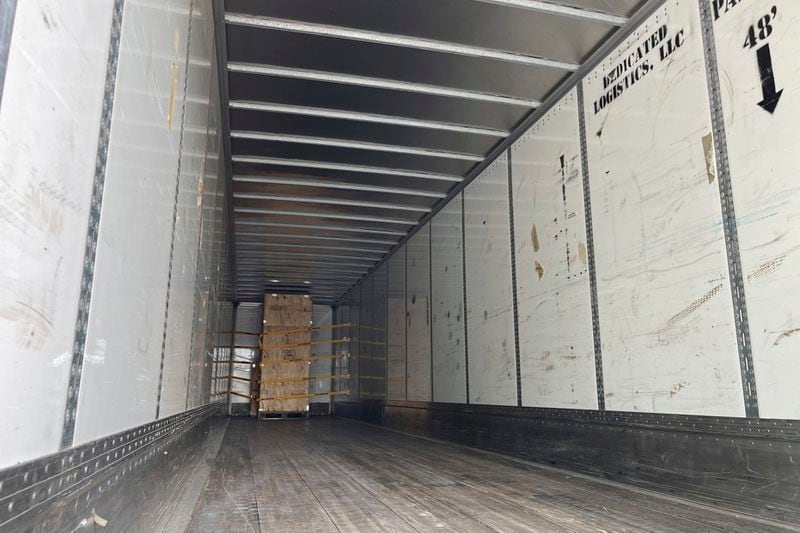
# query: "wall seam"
{"type": "Point", "coordinates": [430, 296]}
{"type": "Point", "coordinates": [729, 224]}
{"type": "Point", "coordinates": [174, 220]}
{"type": "Point", "coordinates": [590, 254]}
{"type": "Point", "coordinates": [514, 307]}
{"type": "Point", "coordinates": [405, 318]}
{"type": "Point", "coordinates": [464, 291]}
{"type": "Point", "coordinates": [90, 252]}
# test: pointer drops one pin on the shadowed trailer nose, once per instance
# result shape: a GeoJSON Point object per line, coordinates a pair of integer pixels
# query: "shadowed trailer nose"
{"type": "Point", "coordinates": [399, 265]}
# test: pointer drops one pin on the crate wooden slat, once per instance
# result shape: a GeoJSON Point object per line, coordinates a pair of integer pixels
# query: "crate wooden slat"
{"type": "Point", "coordinates": [285, 354]}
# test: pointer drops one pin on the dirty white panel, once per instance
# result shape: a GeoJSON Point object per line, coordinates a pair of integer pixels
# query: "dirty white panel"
{"type": "Point", "coordinates": [248, 326]}
{"type": "Point", "coordinates": [666, 317]}
{"type": "Point", "coordinates": [189, 292]}
{"type": "Point", "coordinates": [342, 364]}
{"type": "Point", "coordinates": [322, 317]}
{"type": "Point", "coordinates": [355, 342]}
{"type": "Point", "coordinates": [553, 297]}
{"type": "Point", "coordinates": [419, 321]}
{"type": "Point", "coordinates": [49, 125]}
{"type": "Point", "coordinates": [447, 290]}
{"type": "Point", "coordinates": [763, 144]}
{"type": "Point", "coordinates": [396, 323]}
{"type": "Point", "coordinates": [490, 317]}
{"type": "Point", "coordinates": [379, 302]}
{"type": "Point", "coordinates": [365, 336]}
{"type": "Point", "coordinates": [119, 386]}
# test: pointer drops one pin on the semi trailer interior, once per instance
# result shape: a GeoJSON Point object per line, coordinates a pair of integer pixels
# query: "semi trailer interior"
{"type": "Point", "coordinates": [399, 265]}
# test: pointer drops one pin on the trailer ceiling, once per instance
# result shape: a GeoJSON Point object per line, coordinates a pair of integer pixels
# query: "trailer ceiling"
{"type": "Point", "coordinates": [351, 119]}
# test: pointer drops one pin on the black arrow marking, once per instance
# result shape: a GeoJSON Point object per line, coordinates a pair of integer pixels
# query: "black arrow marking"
{"type": "Point", "coordinates": [771, 96]}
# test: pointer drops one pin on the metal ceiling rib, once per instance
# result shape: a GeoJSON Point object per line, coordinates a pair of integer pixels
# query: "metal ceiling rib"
{"type": "Point", "coordinates": [350, 121]}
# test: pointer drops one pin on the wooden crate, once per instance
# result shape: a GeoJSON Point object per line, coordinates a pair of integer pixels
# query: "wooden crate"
{"type": "Point", "coordinates": [287, 337]}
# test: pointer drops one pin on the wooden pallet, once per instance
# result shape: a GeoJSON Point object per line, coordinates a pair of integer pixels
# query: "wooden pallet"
{"type": "Point", "coordinates": [284, 415]}
{"type": "Point", "coordinates": [286, 348]}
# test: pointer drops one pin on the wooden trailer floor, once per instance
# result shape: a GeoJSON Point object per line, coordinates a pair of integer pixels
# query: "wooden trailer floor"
{"type": "Point", "coordinates": [333, 474]}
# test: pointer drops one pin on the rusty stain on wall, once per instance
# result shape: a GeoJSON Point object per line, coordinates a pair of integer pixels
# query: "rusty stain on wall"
{"type": "Point", "coordinates": [708, 151]}
{"type": "Point", "coordinates": [534, 238]}
{"type": "Point", "coordinates": [539, 269]}
{"type": "Point", "coordinates": [582, 253]}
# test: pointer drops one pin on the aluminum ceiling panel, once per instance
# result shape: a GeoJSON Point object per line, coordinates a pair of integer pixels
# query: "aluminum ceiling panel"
{"type": "Point", "coordinates": [297, 150]}
{"type": "Point", "coordinates": [351, 120]}
{"type": "Point", "coordinates": [286, 49]}
{"type": "Point", "coordinates": [359, 131]}
{"type": "Point", "coordinates": [325, 193]}
{"type": "Point", "coordinates": [281, 90]}
{"type": "Point", "coordinates": [466, 22]}
{"type": "Point", "coordinates": [386, 214]}
{"type": "Point", "coordinates": [341, 177]}
{"type": "Point", "coordinates": [319, 219]}
{"type": "Point", "coordinates": [329, 230]}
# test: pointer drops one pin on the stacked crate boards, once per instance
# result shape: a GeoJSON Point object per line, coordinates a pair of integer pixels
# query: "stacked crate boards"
{"type": "Point", "coordinates": [286, 348]}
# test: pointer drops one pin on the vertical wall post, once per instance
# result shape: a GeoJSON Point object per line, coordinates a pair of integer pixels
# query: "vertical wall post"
{"type": "Point", "coordinates": [587, 203]}
{"type": "Point", "coordinates": [729, 226]}
{"type": "Point", "coordinates": [430, 297]}
{"type": "Point", "coordinates": [90, 253]}
{"type": "Point", "coordinates": [464, 290]}
{"type": "Point", "coordinates": [514, 278]}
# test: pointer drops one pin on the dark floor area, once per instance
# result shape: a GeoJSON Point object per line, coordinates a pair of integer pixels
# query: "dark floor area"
{"type": "Point", "coordinates": [332, 474]}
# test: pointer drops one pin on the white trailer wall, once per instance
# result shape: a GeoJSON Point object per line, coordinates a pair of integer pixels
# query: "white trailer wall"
{"type": "Point", "coordinates": [623, 295]}
{"type": "Point", "coordinates": [555, 319]}
{"type": "Point", "coordinates": [447, 292]}
{"type": "Point", "coordinates": [47, 189]}
{"type": "Point", "coordinates": [396, 325]}
{"type": "Point", "coordinates": [762, 148]}
{"type": "Point", "coordinates": [490, 317]}
{"type": "Point", "coordinates": [418, 292]}
{"type": "Point", "coordinates": [666, 321]}
{"type": "Point", "coordinates": [160, 114]}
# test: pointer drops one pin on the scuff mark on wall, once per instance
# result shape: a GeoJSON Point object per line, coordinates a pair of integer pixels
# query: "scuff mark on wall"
{"type": "Point", "coordinates": [785, 335]}
{"type": "Point", "coordinates": [691, 308]}
{"type": "Point", "coordinates": [32, 326]}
